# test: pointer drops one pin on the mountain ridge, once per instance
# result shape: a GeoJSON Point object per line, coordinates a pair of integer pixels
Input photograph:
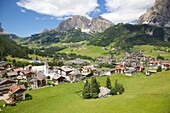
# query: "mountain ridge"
{"type": "Point", "coordinates": [158, 15]}
{"type": "Point", "coordinates": [98, 24]}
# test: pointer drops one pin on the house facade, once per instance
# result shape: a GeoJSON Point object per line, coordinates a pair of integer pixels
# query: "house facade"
{"type": "Point", "coordinates": [16, 92]}
{"type": "Point", "coordinates": [5, 84]}
{"type": "Point", "coordinates": [37, 82]}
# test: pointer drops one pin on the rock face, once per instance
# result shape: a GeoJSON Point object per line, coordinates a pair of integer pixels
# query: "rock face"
{"type": "Point", "coordinates": [158, 15]}
{"type": "Point", "coordinates": [97, 24]}
{"type": "Point", "coordinates": [1, 29]}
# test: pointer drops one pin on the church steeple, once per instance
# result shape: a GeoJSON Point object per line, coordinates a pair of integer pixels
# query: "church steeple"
{"type": "Point", "coordinates": [46, 66]}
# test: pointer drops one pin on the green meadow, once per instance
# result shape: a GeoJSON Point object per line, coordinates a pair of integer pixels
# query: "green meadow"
{"type": "Point", "coordinates": [94, 51]}
{"type": "Point", "coordinates": [151, 51]}
{"type": "Point", "coordinates": [143, 94]}
{"type": "Point", "coordinates": [90, 50]}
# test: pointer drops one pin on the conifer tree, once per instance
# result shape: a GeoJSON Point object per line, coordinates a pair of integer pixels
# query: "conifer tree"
{"type": "Point", "coordinates": [94, 89]}
{"type": "Point", "coordinates": [86, 90]}
{"type": "Point", "coordinates": [108, 83]}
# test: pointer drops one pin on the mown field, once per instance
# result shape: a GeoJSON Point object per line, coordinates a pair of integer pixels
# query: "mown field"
{"type": "Point", "coordinates": [90, 50]}
{"type": "Point", "coordinates": [143, 94]}
{"type": "Point", "coordinates": [94, 51]}
{"type": "Point", "coordinates": [151, 51]}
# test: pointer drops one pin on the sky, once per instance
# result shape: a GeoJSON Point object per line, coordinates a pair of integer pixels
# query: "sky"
{"type": "Point", "coordinates": [27, 17]}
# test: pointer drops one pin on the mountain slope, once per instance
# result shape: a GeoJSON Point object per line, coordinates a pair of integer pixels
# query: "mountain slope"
{"type": "Point", "coordinates": [54, 36]}
{"type": "Point", "coordinates": [97, 24]}
{"type": "Point", "coordinates": [158, 15]}
{"type": "Point", "coordinates": [126, 35]}
{"type": "Point", "coordinates": [8, 36]}
{"type": "Point", "coordinates": [11, 48]}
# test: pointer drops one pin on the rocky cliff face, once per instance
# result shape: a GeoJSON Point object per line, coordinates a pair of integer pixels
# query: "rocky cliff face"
{"type": "Point", "coordinates": [158, 15]}
{"type": "Point", "coordinates": [1, 29]}
{"type": "Point", "coordinates": [97, 24]}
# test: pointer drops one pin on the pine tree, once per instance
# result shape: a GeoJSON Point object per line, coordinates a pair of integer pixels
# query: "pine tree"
{"type": "Point", "coordinates": [117, 89]}
{"type": "Point", "coordinates": [108, 83]}
{"type": "Point", "coordinates": [86, 90]}
{"type": "Point", "coordinates": [94, 89]}
{"type": "Point", "coordinates": [121, 89]}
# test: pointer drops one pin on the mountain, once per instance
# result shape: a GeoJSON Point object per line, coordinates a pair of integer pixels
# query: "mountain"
{"type": "Point", "coordinates": [75, 29]}
{"type": "Point", "coordinates": [8, 47]}
{"type": "Point", "coordinates": [1, 29]}
{"type": "Point", "coordinates": [97, 24]}
{"type": "Point", "coordinates": [8, 36]}
{"type": "Point", "coordinates": [158, 15]}
{"type": "Point", "coordinates": [53, 36]}
{"type": "Point", "coordinates": [126, 35]}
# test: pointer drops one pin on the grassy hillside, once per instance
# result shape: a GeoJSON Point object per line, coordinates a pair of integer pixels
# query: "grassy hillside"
{"type": "Point", "coordinates": [52, 36]}
{"type": "Point", "coordinates": [125, 36]}
{"type": "Point", "coordinates": [8, 47]}
{"type": "Point", "coordinates": [89, 50]}
{"type": "Point", "coordinates": [153, 51]}
{"type": "Point", "coordinates": [143, 94]}
{"type": "Point", "coordinates": [94, 51]}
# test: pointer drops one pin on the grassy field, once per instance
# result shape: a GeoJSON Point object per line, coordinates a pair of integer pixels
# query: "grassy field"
{"type": "Point", "coordinates": [9, 58]}
{"type": "Point", "coordinates": [90, 50]}
{"type": "Point", "coordinates": [33, 56]}
{"type": "Point", "coordinates": [143, 94]}
{"type": "Point", "coordinates": [94, 51]}
{"type": "Point", "coordinates": [150, 51]}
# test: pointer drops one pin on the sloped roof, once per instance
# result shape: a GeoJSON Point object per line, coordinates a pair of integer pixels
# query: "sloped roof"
{"type": "Point", "coordinates": [6, 80]}
{"type": "Point", "coordinates": [15, 88]}
{"type": "Point", "coordinates": [12, 73]}
{"type": "Point", "coordinates": [39, 77]}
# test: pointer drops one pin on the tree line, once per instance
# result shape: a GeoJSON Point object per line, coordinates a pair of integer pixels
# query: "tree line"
{"type": "Point", "coordinates": [91, 90]}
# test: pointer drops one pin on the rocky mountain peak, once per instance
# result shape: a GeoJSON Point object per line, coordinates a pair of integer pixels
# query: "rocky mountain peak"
{"type": "Point", "coordinates": [1, 29]}
{"type": "Point", "coordinates": [158, 15]}
{"type": "Point", "coordinates": [85, 24]}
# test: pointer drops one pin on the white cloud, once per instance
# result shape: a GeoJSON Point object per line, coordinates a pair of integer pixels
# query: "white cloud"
{"type": "Point", "coordinates": [126, 10]}
{"type": "Point", "coordinates": [22, 10]}
{"type": "Point", "coordinates": [63, 18]}
{"type": "Point", "coordinates": [60, 8]}
{"type": "Point", "coordinates": [42, 18]}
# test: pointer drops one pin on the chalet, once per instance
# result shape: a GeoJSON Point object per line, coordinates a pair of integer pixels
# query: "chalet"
{"type": "Point", "coordinates": [130, 71]}
{"type": "Point", "coordinates": [2, 63]}
{"type": "Point", "coordinates": [165, 64]}
{"type": "Point", "coordinates": [38, 81]}
{"type": "Point", "coordinates": [139, 68]}
{"type": "Point", "coordinates": [12, 75]}
{"type": "Point", "coordinates": [17, 92]}
{"type": "Point", "coordinates": [64, 70]}
{"type": "Point", "coordinates": [101, 73]}
{"type": "Point", "coordinates": [5, 84]}
{"type": "Point", "coordinates": [28, 68]}
{"type": "Point", "coordinates": [78, 62]}
{"type": "Point", "coordinates": [85, 70]}
{"type": "Point", "coordinates": [58, 79]}
{"type": "Point", "coordinates": [149, 72]}
{"type": "Point", "coordinates": [74, 76]}
{"type": "Point", "coordinates": [120, 68]}
{"type": "Point", "coordinates": [29, 74]}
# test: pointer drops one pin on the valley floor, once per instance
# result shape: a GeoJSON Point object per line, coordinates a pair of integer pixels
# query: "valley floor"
{"type": "Point", "coordinates": [143, 94]}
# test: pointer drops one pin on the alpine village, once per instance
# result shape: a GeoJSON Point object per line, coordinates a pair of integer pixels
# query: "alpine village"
{"type": "Point", "coordinates": [89, 66]}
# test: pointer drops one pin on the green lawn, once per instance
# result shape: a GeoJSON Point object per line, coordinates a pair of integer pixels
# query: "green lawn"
{"type": "Point", "coordinates": [17, 59]}
{"type": "Point", "coordinates": [150, 51]}
{"type": "Point", "coordinates": [33, 56]}
{"type": "Point", "coordinates": [89, 50]}
{"type": "Point", "coordinates": [143, 94]}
